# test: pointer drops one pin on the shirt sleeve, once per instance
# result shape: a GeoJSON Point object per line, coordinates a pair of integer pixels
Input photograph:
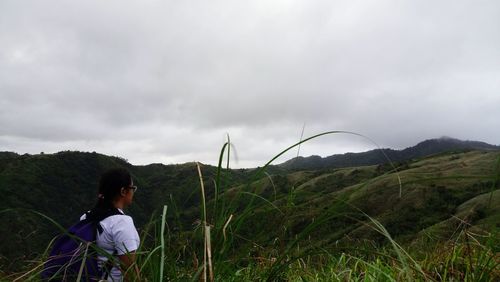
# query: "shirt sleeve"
{"type": "Point", "coordinates": [125, 237]}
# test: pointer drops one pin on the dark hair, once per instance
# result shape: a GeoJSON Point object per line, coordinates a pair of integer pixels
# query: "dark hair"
{"type": "Point", "coordinates": [110, 185]}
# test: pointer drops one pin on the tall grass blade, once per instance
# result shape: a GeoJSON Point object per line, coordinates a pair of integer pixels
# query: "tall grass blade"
{"type": "Point", "coordinates": [301, 136]}
{"type": "Point", "coordinates": [209, 252]}
{"type": "Point", "coordinates": [162, 242]}
{"type": "Point", "coordinates": [204, 223]}
{"type": "Point", "coordinates": [225, 227]}
{"type": "Point", "coordinates": [82, 265]}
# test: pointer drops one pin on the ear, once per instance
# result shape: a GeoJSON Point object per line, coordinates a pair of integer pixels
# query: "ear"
{"type": "Point", "coordinates": [123, 192]}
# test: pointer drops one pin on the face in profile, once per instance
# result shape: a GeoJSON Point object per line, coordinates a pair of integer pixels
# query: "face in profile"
{"type": "Point", "coordinates": [128, 193]}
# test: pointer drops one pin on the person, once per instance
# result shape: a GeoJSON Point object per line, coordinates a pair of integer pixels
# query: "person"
{"type": "Point", "coordinates": [117, 234]}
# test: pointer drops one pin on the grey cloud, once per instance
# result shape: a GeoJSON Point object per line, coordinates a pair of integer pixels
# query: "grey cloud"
{"type": "Point", "coordinates": [90, 74]}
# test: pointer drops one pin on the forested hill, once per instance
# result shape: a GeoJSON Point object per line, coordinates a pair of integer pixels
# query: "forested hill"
{"type": "Point", "coordinates": [373, 157]}
{"type": "Point", "coordinates": [64, 185]}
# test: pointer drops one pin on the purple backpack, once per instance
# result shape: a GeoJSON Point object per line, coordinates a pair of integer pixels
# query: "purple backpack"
{"type": "Point", "coordinates": [74, 253]}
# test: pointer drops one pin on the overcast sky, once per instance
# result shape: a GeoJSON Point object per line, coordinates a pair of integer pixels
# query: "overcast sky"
{"type": "Point", "coordinates": [166, 81]}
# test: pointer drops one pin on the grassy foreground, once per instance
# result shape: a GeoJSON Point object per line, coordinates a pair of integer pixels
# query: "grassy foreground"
{"type": "Point", "coordinates": [246, 233]}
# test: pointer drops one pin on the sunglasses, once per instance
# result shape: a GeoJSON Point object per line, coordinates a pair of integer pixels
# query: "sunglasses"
{"type": "Point", "coordinates": [133, 188]}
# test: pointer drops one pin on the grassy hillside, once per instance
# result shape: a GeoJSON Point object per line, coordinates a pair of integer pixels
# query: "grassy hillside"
{"type": "Point", "coordinates": [275, 218]}
{"type": "Point", "coordinates": [431, 191]}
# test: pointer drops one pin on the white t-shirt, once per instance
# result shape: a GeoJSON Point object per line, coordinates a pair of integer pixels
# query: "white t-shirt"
{"type": "Point", "coordinates": [119, 237]}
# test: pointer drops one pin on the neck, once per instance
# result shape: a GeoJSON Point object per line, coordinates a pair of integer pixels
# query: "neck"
{"type": "Point", "coordinates": [119, 205]}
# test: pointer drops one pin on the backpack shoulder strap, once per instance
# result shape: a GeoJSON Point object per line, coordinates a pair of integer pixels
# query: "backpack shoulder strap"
{"type": "Point", "coordinates": [96, 216]}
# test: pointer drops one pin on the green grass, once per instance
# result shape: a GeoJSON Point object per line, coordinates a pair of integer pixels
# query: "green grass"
{"type": "Point", "coordinates": [434, 220]}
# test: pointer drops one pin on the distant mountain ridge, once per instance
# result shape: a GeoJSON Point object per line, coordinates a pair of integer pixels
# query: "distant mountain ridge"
{"type": "Point", "coordinates": [380, 156]}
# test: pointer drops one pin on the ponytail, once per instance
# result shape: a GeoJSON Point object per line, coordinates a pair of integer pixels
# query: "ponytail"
{"type": "Point", "coordinates": [110, 185]}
